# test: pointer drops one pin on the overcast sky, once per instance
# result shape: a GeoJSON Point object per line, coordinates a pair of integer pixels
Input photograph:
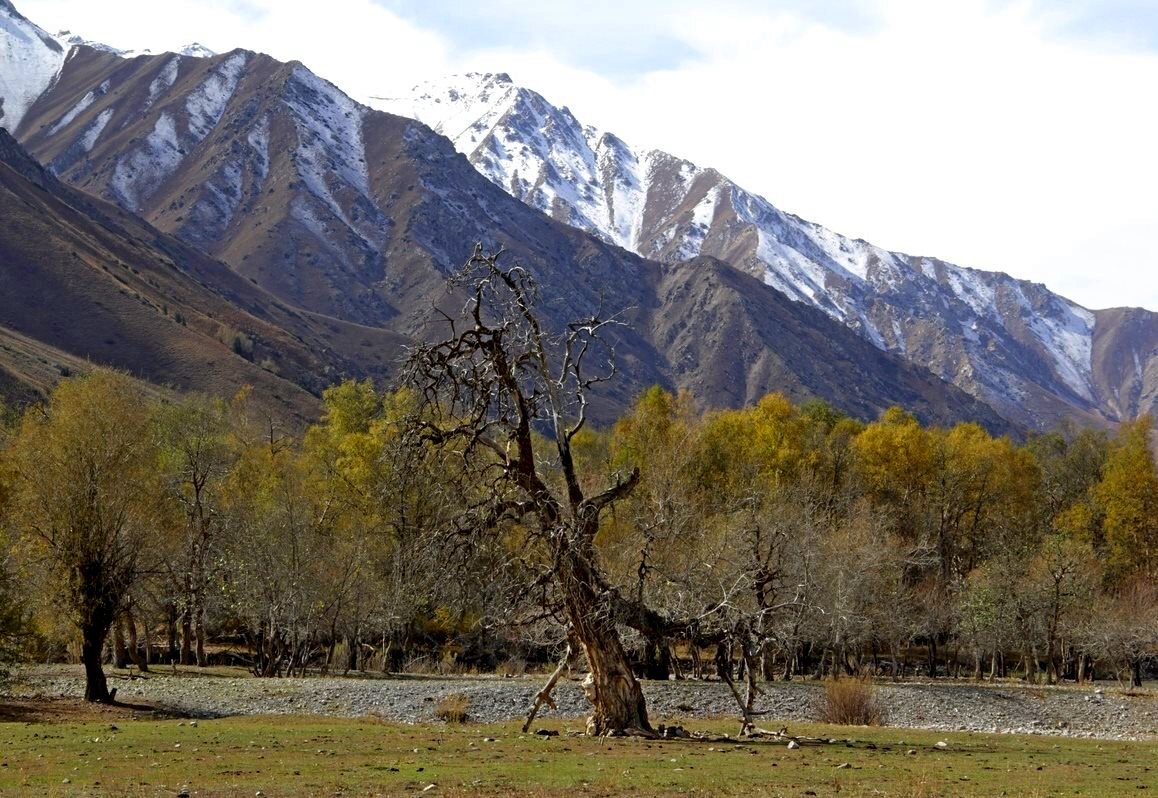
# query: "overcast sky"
{"type": "Point", "coordinates": [1020, 136]}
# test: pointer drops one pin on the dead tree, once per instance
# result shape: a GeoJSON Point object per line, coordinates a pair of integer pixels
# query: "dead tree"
{"type": "Point", "coordinates": [498, 390]}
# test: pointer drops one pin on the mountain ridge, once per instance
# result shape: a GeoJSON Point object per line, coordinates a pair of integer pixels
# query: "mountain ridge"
{"type": "Point", "coordinates": [359, 215]}
{"type": "Point", "coordinates": [1011, 342]}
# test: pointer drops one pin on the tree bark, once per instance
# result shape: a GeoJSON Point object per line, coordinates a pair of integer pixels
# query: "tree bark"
{"type": "Point", "coordinates": [199, 633]}
{"type": "Point", "coordinates": [96, 688]}
{"type": "Point", "coordinates": [141, 660]}
{"type": "Point", "coordinates": [171, 629]}
{"type": "Point", "coordinates": [120, 652]}
{"type": "Point", "coordinates": [187, 635]}
{"type": "Point", "coordinates": [611, 686]}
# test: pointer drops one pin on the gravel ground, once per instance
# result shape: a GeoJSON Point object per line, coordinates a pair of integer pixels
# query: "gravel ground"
{"type": "Point", "coordinates": [1103, 712]}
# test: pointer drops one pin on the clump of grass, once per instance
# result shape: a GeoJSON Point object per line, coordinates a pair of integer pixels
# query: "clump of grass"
{"type": "Point", "coordinates": [850, 702]}
{"type": "Point", "coordinates": [516, 666]}
{"type": "Point", "coordinates": [453, 708]}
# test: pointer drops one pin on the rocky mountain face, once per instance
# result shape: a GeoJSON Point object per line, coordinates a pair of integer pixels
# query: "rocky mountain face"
{"type": "Point", "coordinates": [352, 218]}
{"type": "Point", "coordinates": [1035, 356]}
{"type": "Point", "coordinates": [86, 283]}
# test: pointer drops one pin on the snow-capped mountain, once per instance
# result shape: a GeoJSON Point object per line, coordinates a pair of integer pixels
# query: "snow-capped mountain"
{"type": "Point", "coordinates": [356, 216]}
{"type": "Point", "coordinates": [70, 39]}
{"type": "Point", "coordinates": [1012, 343]}
{"type": "Point", "coordinates": [31, 59]}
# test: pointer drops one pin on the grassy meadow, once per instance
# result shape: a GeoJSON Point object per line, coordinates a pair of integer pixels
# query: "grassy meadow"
{"type": "Point", "coordinates": [71, 750]}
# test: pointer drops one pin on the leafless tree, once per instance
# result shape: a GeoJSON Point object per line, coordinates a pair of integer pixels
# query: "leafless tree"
{"type": "Point", "coordinates": [508, 396]}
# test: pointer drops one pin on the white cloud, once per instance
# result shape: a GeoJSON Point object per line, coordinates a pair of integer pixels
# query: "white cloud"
{"type": "Point", "coordinates": [970, 131]}
{"type": "Point", "coordinates": [357, 44]}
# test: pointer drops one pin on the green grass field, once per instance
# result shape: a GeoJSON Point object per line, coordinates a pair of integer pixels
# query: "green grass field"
{"type": "Point", "coordinates": [327, 757]}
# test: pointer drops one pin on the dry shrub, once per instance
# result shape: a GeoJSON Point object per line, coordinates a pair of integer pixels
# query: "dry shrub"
{"type": "Point", "coordinates": [452, 708]}
{"type": "Point", "coordinates": [513, 667]}
{"type": "Point", "coordinates": [850, 702]}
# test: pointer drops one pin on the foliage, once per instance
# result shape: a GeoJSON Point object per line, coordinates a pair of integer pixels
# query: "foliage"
{"type": "Point", "coordinates": [1128, 494]}
{"type": "Point", "coordinates": [425, 525]}
{"type": "Point", "coordinates": [81, 471]}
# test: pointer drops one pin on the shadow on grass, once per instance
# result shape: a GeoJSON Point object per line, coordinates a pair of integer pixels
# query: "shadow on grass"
{"type": "Point", "coordinates": [66, 710]}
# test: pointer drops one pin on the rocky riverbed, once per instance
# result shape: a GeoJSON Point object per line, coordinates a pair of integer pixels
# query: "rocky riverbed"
{"type": "Point", "coordinates": [1105, 711]}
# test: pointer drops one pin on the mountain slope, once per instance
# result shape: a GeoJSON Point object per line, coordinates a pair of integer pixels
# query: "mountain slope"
{"type": "Point", "coordinates": [94, 284]}
{"type": "Point", "coordinates": [359, 215]}
{"type": "Point", "coordinates": [1012, 343]}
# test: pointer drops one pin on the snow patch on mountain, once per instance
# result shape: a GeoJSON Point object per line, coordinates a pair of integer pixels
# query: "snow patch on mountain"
{"type": "Point", "coordinates": [142, 172]}
{"type": "Point", "coordinates": [331, 151]}
{"type": "Point", "coordinates": [93, 132]}
{"type": "Point", "coordinates": [258, 140]}
{"type": "Point", "coordinates": [30, 61]}
{"type": "Point", "coordinates": [971, 288]}
{"type": "Point", "coordinates": [1067, 335]}
{"type": "Point", "coordinates": [82, 105]}
{"type": "Point", "coordinates": [537, 152]}
{"type": "Point", "coordinates": [196, 50]}
{"type": "Point", "coordinates": [164, 81]}
{"type": "Point", "coordinates": [622, 175]}
{"type": "Point", "coordinates": [70, 39]}
{"type": "Point", "coordinates": [215, 210]}
{"type": "Point", "coordinates": [207, 102]}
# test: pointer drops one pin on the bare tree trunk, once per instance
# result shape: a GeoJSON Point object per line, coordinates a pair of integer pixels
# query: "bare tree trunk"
{"type": "Point", "coordinates": [187, 635]}
{"type": "Point", "coordinates": [611, 686]}
{"type": "Point", "coordinates": [134, 642]}
{"type": "Point", "coordinates": [199, 631]}
{"type": "Point", "coordinates": [120, 653]}
{"type": "Point", "coordinates": [171, 628]}
{"type": "Point", "coordinates": [96, 688]}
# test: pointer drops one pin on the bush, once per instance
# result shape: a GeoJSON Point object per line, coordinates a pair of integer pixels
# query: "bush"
{"type": "Point", "coordinates": [453, 708]}
{"type": "Point", "coordinates": [13, 622]}
{"type": "Point", "coordinates": [515, 666]}
{"type": "Point", "coordinates": [850, 702]}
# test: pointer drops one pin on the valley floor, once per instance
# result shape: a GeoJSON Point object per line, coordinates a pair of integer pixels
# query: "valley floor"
{"type": "Point", "coordinates": [1105, 711]}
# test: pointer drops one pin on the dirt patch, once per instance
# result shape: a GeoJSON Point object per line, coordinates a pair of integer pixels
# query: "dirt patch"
{"type": "Point", "coordinates": [61, 710]}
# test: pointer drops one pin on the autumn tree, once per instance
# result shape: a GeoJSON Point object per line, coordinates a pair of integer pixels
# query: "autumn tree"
{"type": "Point", "coordinates": [283, 514]}
{"type": "Point", "coordinates": [1128, 495]}
{"type": "Point", "coordinates": [389, 495]}
{"type": "Point", "coordinates": [196, 456]}
{"type": "Point", "coordinates": [83, 471]}
{"type": "Point", "coordinates": [1062, 580]}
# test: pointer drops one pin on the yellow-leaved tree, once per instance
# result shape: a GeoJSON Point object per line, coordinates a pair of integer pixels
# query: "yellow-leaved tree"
{"type": "Point", "coordinates": [1128, 494]}
{"type": "Point", "coordinates": [82, 472]}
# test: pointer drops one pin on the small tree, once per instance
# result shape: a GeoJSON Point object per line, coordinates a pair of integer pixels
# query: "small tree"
{"type": "Point", "coordinates": [195, 460]}
{"type": "Point", "coordinates": [82, 498]}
